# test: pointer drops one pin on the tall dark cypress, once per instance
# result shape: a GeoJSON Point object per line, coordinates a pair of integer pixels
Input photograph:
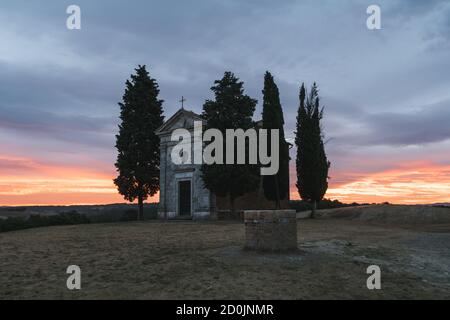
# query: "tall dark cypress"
{"type": "Point", "coordinates": [231, 109]}
{"type": "Point", "coordinates": [276, 187]}
{"type": "Point", "coordinates": [137, 144]}
{"type": "Point", "coordinates": [311, 162]}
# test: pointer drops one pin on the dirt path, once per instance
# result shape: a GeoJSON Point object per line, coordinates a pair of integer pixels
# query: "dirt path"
{"type": "Point", "coordinates": [155, 260]}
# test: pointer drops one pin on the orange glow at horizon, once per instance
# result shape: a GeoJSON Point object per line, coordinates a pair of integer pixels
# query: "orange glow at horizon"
{"type": "Point", "coordinates": [414, 183]}
{"type": "Point", "coordinates": [27, 182]}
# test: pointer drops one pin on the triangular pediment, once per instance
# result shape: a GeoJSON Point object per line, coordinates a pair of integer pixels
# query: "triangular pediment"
{"type": "Point", "coordinates": [181, 119]}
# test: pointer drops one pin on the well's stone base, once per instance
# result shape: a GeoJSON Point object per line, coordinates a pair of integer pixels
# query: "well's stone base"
{"type": "Point", "coordinates": [270, 230]}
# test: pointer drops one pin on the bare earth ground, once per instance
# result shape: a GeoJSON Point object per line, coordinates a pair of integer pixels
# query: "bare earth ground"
{"type": "Point", "coordinates": [190, 260]}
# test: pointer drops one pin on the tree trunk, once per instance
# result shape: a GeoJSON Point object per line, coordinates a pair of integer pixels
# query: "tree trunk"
{"type": "Point", "coordinates": [141, 208]}
{"type": "Point", "coordinates": [233, 209]}
{"type": "Point", "coordinates": [277, 193]}
{"type": "Point", "coordinates": [313, 211]}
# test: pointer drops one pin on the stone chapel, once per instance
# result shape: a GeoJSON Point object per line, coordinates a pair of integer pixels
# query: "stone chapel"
{"type": "Point", "coordinates": [182, 194]}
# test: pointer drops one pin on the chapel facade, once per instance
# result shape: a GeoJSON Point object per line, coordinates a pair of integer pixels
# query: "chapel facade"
{"type": "Point", "coordinates": [182, 193]}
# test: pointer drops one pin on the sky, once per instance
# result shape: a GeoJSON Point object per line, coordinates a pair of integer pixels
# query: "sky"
{"type": "Point", "coordinates": [386, 92]}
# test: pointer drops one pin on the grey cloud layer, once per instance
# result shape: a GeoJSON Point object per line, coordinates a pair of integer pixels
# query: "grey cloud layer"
{"type": "Point", "coordinates": [427, 124]}
{"type": "Point", "coordinates": [384, 87]}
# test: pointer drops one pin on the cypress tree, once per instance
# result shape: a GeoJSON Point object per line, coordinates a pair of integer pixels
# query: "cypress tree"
{"type": "Point", "coordinates": [311, 162]}
{"type": "Point", "coordinates": [276, 187]}
{"type": "Point", "coordinates": [137, 144]}
{"type": "Point", "coordinates": [231, 109]}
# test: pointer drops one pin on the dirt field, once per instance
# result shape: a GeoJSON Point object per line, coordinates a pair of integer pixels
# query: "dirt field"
{"type": "Point", "coordinates": [185, 260]}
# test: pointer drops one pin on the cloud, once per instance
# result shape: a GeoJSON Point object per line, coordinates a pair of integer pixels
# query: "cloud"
{"type": "Point", "coordinates": [425, 125]}
{"type": "Point", "coordinates": [385, 92]}
{"type": "Point", "coordinates": [76, 129]}
{"type": "Point", "coordinates": [418, 126]}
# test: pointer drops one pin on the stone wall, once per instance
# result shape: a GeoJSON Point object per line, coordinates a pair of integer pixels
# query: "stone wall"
{"type": "Point", "coordinates": [270, 230]}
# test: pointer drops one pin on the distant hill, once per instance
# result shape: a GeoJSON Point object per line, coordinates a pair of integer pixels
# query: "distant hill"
{"type": "Point", "coordinates": [103, 213]}
{"type": "Point", "coordinates": [391, 214]}
{"type": "Point", "coordinates": [445, 204]}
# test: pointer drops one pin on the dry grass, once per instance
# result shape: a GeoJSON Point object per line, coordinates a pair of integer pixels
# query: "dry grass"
{"type": "Point", "coordinates": [179, 260]}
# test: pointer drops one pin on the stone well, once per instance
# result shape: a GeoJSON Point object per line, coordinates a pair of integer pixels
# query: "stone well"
{"type": "Point", "coordinates": [270, 230]}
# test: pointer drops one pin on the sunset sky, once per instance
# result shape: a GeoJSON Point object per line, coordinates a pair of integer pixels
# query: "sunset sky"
{"type": "Point", "coordinates": [386, 92]}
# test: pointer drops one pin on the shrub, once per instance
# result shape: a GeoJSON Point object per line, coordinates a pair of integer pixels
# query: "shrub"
{"type": "Point", "coordinates": [129, 215]}
{"type": "Point", "coordinates": [36, 221]}
{"type": "Point", "coordinates": [12, 223]}
{"type": "Point", "coordinates": [300, 205]}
